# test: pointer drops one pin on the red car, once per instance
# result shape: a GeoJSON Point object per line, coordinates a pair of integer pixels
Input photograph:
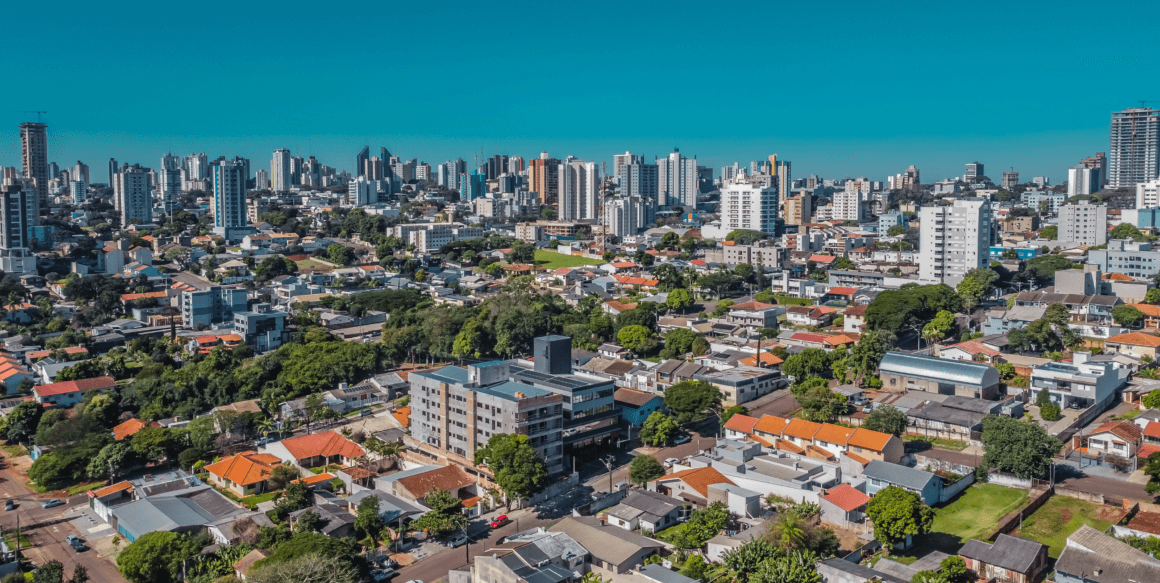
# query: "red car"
{"type": "Point", "coordinates": [500, 521]}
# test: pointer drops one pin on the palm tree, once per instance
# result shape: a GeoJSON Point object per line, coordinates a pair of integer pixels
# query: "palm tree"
{"type": "Point", "coordinates": [932, 335]}
{"type": "Point", "coordinates": [789, 532]}
{"type": "Point", "coordinates": [265, 425]}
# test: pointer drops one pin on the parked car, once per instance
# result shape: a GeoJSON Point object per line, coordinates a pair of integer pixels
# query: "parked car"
{"type": "Point", "coordinates": [9, 504]}
{"type": "Point", "coordinates": [671, 462]}
{"type": "Point", "coordinates": [500, 521]}
{"type": "Point", "coordinates": [365, 412]}
{"type": "Point", "coordinates": [415, 581]}
{"type": "Point", "coordinates": [75, 542]}
{"type": "Point", "coordinates": [53, 502]}
{"type": "Point", "coordinates": [383, 574]}
{"type": "Point", "coordinates": [682, 439]}
{"type": "Point", "coordinates": [457, 541]}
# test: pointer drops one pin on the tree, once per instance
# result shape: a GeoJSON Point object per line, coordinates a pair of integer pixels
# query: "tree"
{"type": "Point", "coordinates": [115, 459]}
{"type": "Point", "coordinates": [747, 558]}
{"type": "Point", "coordinates": [644, 469]}
{"type": "Point", "coordinates": [821, 404]}
{"type": "Point", "coordinates": [295, 496]}
{"type": "Point", "coordinates": [896, 230]}
{"type": "Point", "coordinates": [1057, 314]}
{"type": "Point", "coordinates": [810, 362]}
{"type": "Point", "coordinates": [867, 353]}
{"type": "Point", "coordinates": [793, 567]}
{"type": "Point", "coordinates": [887, 419]}
{"type": "Point", "coordinates": [1021, 448]}
{"type": "Point", "coordinates": [634, 338]}
{"type": "Point", "coordinates": [310, 521]}
{"type": "Point", "coordinates": [517, 467]}
{"type": "Point", "coordinates": [282, 475]}
{"type": "Point", "coordinates": [1153, 296]}
{"type": "Point", "coordinates": [897, 513]}
{"type": "Point", "coordinates": [80, 575]}
{"type": "Point", "coordinates": [977, 284]}
{"type": "Point", "coordinates": [745, 236]}
{"type": "Point", "coordinates": [368, 521]}
{"type": "Point", "coordinates": [23, 420]}
{"type": "Point", "coordinates": [150, 558]}
{"type": "Point", "coordinates": [694, 567]}
{"type": "Point", "coordinates": [679, 341]}
{"type": "Point", "coordinates": [729, 412]}
{"type": "Point", "coordinates": [153, 443]}
{"type": "Point", "coordinates": [894, 311]}
{"type": "Point", "coordinates": [688, 400]}
{"type": "Point", "coordinates": [50, 572]}
{"type": "Point", "coordinates": [339, 254]}
{"type": "Point", "coordinates": [445, 515]}
{"type": "Point", "coordinates": [954, 569]}
{"type": "Point", "coordinates": [1152, 399]}
{"type": "Point", "coordinates": [1051, 232]}
{"type": "Point", "coordinates": [1127, 316]}
{"type": "Point", "coordinates": [679, 299]}
{"type": "Point", "coordinates": [843, 263]}
{"type": "Point", "coordinates": [311, 567]}
{"type": "Point", "coordinates": [658, 429]}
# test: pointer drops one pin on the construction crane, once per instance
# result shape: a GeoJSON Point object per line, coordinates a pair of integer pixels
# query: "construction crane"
{"type": "Point", "coordinates": [36, 112]}
{"type": "Point", "coordinates": [1143, 101]}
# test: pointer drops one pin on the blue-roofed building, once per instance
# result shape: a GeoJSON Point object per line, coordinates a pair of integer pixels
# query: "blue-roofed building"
{"type": "Point", "coordinates": [881, 475]}
{"type": "Point", "coordinates": [901, 371]}
{"type": "Point", "coordinates": [636, 406]}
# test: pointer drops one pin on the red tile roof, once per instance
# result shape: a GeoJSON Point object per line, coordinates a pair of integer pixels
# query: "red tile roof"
{"type": "Point", "coordinates": [822, 258]}
{"type": "Point", "coordinates": [1152, 429]}
{"type": "Point", "coordinates": [64, 387]}
{"type": "Point", "coordinates": [742, 423]}
{"type": "Point", "coordinates": [402, 415]}
{"type": "Point", "coordinates": [767, 359]}
{"type": "Point", "coordinates": [102, 492]}
{"type": "Point", "coordinates": [328, 444]}
{"type": "Point", "coordinates": [1122, 429]}
{"type": "Point", "coordinates": [974, 347]}
{"type": "Point", "coordinates": [1147, 449]}
{"type": "Point", "coordinates": [141, 296]}
{"type": "Point", "coordinates": [801, 428]}
{"type": "Point", "coordinates": [751, 307]}
{"type": "Point", "coordinates": [315, 479]}
{"type": "Point", "coordinates": [846, 497]}
{"type": "Point", "coordinates": [700, 479]}
{"type": "Point", "coordinates": [1135, 338]}
{"type": "Point", "coordinates": [771, 424]}
{"type": "Point", "coordinates": [842, 291]}
{"type": "Point", "coordinates": [245, 468]}
{"type": "Point", "coordinates": [872, 440]}
{"type": "Point", "coordinates": [130, 428]}
{"type": "Point", "coordinates": [446, 478]}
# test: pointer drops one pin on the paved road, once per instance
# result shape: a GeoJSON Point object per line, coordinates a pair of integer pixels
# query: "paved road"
{"type": "Point", "coordinates": [1066, 475]}
{"type": "Point", "coordinates": [46, 528]}
{"type": "Point", "coordinates": [595, 474]}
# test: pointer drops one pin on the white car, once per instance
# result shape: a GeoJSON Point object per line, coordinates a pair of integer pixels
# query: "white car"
{"type": "Point", "coordinates": [671, 462]}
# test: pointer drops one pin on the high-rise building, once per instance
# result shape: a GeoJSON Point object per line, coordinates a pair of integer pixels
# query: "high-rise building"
{"type": "Point", "coordinates": [474, 186]}
{"type": "Point", "coordinates": [677, 180]}
{"type": "Point", "coordinates": [281, 171]}
{"type": "Point", "coordinates": [34, 153]}
{"type": "Point", "coordinates": [229, 198]}
{"type": "Point", "coordinates": [544, 178]}
{"type": "Point", "coordinates": [131, 194]}
{"type": "Point", "coordinates": [361, 191]}
{"type": "Point", "coordinates": [799, 209]}
{"type": "Point", "coordinates": [782, 173]}
{"type": "Point", "coordinates": [196, 166]}
{"type": "Point", "coordinates": [81, 172]}
{"type": "Point", "coordinates": [1010, 180]}
{"type": "Point", "coordinates": [728, 173]}
{"type": "Point", "coordinates": [79, 190]}
{"type": "Point", "coordinates": [579, 182]}
{"type": "Point", "coordinates": [621, 160]}
{"type": "Point", "coordinates": [447, 176]}
{"type": "Point", "coordinates": [974, 172]}
{"type": "Point", "coordinates": [515, 164]}
{"type": "Point", "coordinates": [373, 168]}
{"type": "Point", "coordinates": [749, 204]}
{"type": "Point", "coordinates": [1083, 180]}
{"type": "Point", "coordinates": [1084, 223]}
{"type": "Point", "coordinates": [848, 201]}
{"type": "Point", "coordinates": [1134, 156]}
{"type": "Point", "coordinates": [114, 168]}
{"type": "Point", "coordinates": [169, 183]}
{"type": "Point", "coordinates": [16, 206]}
{"type": "Point", "coordinates": [360, 160]}
{"type": "Point", "coordinates": [623, 216]}
{"type": "Point", "coordinates": [956, 238]}
{"type": "Point", "coordinates": [261, 179]}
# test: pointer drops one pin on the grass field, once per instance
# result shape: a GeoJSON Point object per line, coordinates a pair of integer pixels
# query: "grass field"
{"type": "Point", "coordinates": [947, 444]}
{"type": "Point", "coordinates": [312, 264]}
{"type": "Point", "coordinates": [1061, 516]}
{"type": "Point", "coordinates": [553, 260]}
{"type": "Point", "coordinates": [973, 514]}
{"type": "Point", "coordinates": [792, 301]}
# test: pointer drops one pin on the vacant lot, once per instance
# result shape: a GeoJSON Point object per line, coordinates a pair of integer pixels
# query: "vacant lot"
{"type": "Point", "coordinates": [973, 514]}
{"type": "Point", "coordinates": [552, 260]}
{"type": "Point", "coordinates": [1061, 516]}
{"type": "Point", "coordinates": [312, 264]}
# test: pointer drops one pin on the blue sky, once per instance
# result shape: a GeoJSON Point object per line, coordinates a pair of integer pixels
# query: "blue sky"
{"type": "Point", "coordinates": [838, 88]}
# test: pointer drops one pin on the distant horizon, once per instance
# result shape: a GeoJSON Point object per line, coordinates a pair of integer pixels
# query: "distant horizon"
{"type": "Point", "coordinates": [839, 89]}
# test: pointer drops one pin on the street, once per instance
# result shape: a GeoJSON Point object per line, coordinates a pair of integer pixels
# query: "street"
{"type": "Point", "coordinates": [46, 528]}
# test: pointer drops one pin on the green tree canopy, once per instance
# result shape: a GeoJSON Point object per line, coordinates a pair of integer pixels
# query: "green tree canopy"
{"type": "Point", "coordinates": [887, 419]}
{"type": "Point", "coordinates": [517, 467]}
{"type": "Point", "coordinates": [151, 558]}
{"type": "Point", "coordinates": [745, 236]}
{"type": "Point", "coordinates": [1127, 316]}
{"type": "Point", "coordinates": [977, 284]}
{"type": "Point", "coordinates": [1019, 447]}
{"type": "Point", "coordinates": [897, 513]}
{"type": "Point", "coordinates": [658, 429]}
{"type": "Point", "coordinates": [634, 338]}
{"type": "Point", "coordinates": [446, 513]}
{"type": "Point", "coordinates": [895, 311]}
{"type": "Point", "coordinates": [688, 400]}
{"type": "Point", "coordinates": [679, 299]}
{"type": "Point", "coordinates": [644, 469]}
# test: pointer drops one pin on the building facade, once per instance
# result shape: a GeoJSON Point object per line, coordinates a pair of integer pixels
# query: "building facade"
{"type": "Point", "coordinates": [1084, 223]}
{"type": "Point", "coordinates": [131, 189]}
{"type": "Point", "coordinates": [34, 155]}
{"type": "Point", "coordinates": [1134, 154]}
{"type": "Point", "coordinates": [955, 239]}
{"type": "Point", "coordinates": [749, 205]}
{"type": "Point", "coordinates": [677, 180]}
{"type": "Point", "coordinates": [229, 199]}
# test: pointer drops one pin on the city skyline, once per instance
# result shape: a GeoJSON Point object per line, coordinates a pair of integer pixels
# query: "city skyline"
{"type": "Point", "coordinates": [835, 107]}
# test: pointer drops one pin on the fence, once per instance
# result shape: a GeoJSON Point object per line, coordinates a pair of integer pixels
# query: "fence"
{"type": "Point", "coordinates": [953, 490]}
{"type": "Point", "coordinates": [864, 551]}
{"type": "Point", "coordinates": [1013, 519]}
{"type": "Point", "coordinates": [1102, 499]}
{"type": "Point", "coordinates": [935, 464]}
{"type": "Point", "coordinates": [1009, 480]}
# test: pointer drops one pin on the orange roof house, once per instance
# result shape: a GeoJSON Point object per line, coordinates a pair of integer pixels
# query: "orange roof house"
{"type": "Point", "coordinates": [68, 393]}
{"type": "Point", "coordinates": [767, 359]}
{"type": "Point", "coordinates": [771, 425]}
{"type": "Point", "coordinates": [827, 259]}
{"type": "Point", "coordinates": [846, 497]}
{"type": "Point", "coordinates": [244, 473]}
{"type": "Point", "coordinates": [317, 449]}
{"type": "Point", "coordinates": [741, 424]}
{"type": "Point", "coordinates": [131, 427]}
{"type": "Point", "coordinates": [694, 481]}
{"type": "Point", "coordinates": [1133, 343]}
{"type": "Point", "coordinates": [801, 429]}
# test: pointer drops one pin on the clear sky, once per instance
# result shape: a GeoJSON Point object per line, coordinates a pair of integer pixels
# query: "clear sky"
{"type": "Point", "coordinates": [838, 88]}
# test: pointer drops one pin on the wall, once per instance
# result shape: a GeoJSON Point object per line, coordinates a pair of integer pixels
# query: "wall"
{"type": "Point", "coordinates": [953, 490]}
{"type": "Point", "coordinates": [1013, 519]}
{"type": "Point", "coordinates": [554, 490]}
{"type": "Point", "coordinates": [1009, 480]}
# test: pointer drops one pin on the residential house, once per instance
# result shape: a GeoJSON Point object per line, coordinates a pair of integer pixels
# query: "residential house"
{"type": "Point", "coordinates": [130, 428]}
{"type": "Point", "coordinates": [671, 372]}
{"type": "Point", "coordinates": [1091, 556]}
{"type": "Point", "coordinates": [1151, 316]}
{"type": "Point", "coordinates": [636, 406]}
{"type": "Point", "coordinates": [69, 393]}
{"type": "Point", "coordinates": [901, 371]}
{"type": "Point", "coordinates": [880, 475]}
{"type": "Point", "coordinates": [971, 351]}
{"type": "Point", "coordinates": [319, 449]}
{"type": "Point", "coordinates": [754, 314]}
{"type": "Point", "coordinates": [809, 315]}
{"type": "Point", "coordinates": [742, 384]}
{"type": "Point", "coordinates": [188, 509]}
{"type": "Point", "coordinates": [345, 398]}
{"type": "Point", "coordinates": [647, 510]}
{"type": "Point", "coordinates": [1121, 438]}
{"type": "Point", "coordinates": [1009, 559]}
{"type": "Point", "coordinates": [839, 570]}
{"type": "Point", "coordinates": [13, 375]}
{"type": "Point", "coordinates": [244, 474]}
{"type": "Point", "coordinates": [854, 318]}
{"type": "Point", "coordinates": [415, 484]}
{"type": "Point", "coordinates": [612, 548]}
{"type": "Point", "coordinates": [336, 522]}
{"type": "Point", "coordinates": [763, 360]}
{"type": "Point", "coordinates": [1134, 343]}
{"type": "Point", "coordinates": [1004, 321]}
{"type": "Point", "coordinates": [844, 506]}
{"type": "Point", "coordinates": [740, 426]}
{"type": "Point", "coordinates": [691, 485]}
{"type": "Point", "coordinates": [1080, 383]}
{"type": "Point", "coordinates": [246, 563]}
{"type": "Point", "coordinates": [102, 500]}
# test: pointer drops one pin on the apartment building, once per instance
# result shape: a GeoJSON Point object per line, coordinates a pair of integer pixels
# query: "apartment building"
{"type": "Point", "coordinates": [1084, 223]}
{"type": "Point", "coordinates": [203, 308]}
{"type": "Point", "coordinates": [955, 239]}
{"type": "Point", "coordinates": [750, 205]}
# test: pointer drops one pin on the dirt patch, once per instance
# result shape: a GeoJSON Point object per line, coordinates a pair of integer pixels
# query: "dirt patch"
{"type": "Point", "coordinates": [1066, 514]}
{"type": "Point", "coordinates": [1147, 522]}
{"type": "Point", "coordinates": [1112, 514]}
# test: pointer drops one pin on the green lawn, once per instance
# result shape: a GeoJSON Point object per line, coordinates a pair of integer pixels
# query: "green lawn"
{"type": "Point", "coordinates": [259, 498]}
{"type": "Point", "coordinates": [1061, 516]}
{"type": "Point", "coordinates": [15, 450]}
{"type": "Point", "coordinates": [74, 490]}
{"type": "Point", "coordinates": [312, 264]}
{"type": "Point", "coordinates": [947, 444]}
{"type": "Point", "coordinates": [973, 514]}
{"type": "Point", "coordinates": [552, 260]}
{"type": "Point", "coordinates": [1130, 414]}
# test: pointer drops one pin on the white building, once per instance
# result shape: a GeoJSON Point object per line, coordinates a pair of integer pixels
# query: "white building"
{"type": "Point", "coordinates": [16, 208]}
{"type": "Point", "coordinates": [1083, 180]}
{"type": "Point", "coordinates": [1134, 156]}
{"type": "Point", "coordinates": [169, 182]}
{"type": "Point", "coordinates": [677, 180]}
{"type": "Point", "coordinates": [749, 205]}
{"type": "Point", "coordinates": [362, 192]}
{"type": "Point", "coordinates": [623, 217]}
{"type": "Point", "coordinates": [578, 183]}
{"type": "Point", "coordinates": [1148, 194]}
{"type": "Point", "coordinates": [280, 171]}
{"type": "Point", "coordinates": [131, 191]}
{"type": "Point", "coordinates": [1084, 223]}
{"type": "Point", "coordinates": [955, 239]}
{"type": "Point", "coordinates": [79, 190]}
{"type": "Point", "coordinates": [848, 201]}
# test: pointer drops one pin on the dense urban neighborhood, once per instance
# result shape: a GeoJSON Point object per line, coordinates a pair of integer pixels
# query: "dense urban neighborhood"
{"type": "Point", "coordinates": [567, 371]}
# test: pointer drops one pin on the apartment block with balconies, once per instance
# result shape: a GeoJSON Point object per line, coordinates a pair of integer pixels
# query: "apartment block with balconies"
{"type": "Point", "coordinates": [1078, 384]}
